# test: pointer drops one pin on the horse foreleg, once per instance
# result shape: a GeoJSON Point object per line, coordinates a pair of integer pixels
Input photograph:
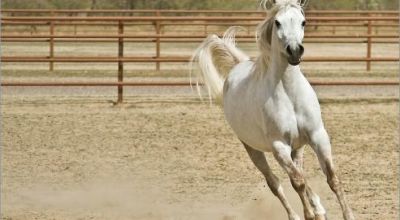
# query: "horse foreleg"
{"type": "Point", "coordinates": [319, 210]}
{"type": "Point", "coordinates": [282, 153]}
{"type": "Point", "coordinates": [322, 147]}
{"type": "Point", "coordinates": [261, 163]}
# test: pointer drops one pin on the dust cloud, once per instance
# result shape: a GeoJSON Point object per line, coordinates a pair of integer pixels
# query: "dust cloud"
{"type": "Point", "coordinates": [132, 200]}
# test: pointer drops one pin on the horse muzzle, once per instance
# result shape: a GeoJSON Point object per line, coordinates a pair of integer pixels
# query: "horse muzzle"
{"type": "Point", "coordinates": [294, 55]}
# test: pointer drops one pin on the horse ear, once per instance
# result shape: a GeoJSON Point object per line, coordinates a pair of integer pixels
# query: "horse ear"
{"type": "Point", "coordinates": [302, 3]}
{"type": "Point", "coordinates": [267, 4]}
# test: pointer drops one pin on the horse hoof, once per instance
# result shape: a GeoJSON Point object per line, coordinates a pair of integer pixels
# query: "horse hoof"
{"type": "Point", "coordinates": [313, 217]}
{"type": "Point", "coordinates": [321, 217]}
{"type": "Point", "coordinates": [295, 217]}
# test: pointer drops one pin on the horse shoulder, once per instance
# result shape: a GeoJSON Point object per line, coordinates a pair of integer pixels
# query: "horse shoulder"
{"type": "Point", "coordinates": [308, 110]}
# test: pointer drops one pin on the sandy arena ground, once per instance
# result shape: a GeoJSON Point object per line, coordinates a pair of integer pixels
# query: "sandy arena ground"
{"type": "Point", "coordinates": [169, 157]}
{"type": "Point", "coordinates": [70, 154]}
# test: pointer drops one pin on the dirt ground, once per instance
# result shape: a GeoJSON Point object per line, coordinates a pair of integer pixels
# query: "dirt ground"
{"type": "Point", "coordinates": [70, 154]}
{"type": "Point", "coordinates": [169, 157]}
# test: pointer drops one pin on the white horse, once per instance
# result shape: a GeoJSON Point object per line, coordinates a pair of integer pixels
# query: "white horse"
{"type": "Point", "coordinates": [270, 105]}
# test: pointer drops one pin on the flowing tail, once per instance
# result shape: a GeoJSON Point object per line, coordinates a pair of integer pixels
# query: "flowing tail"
{"type": "Point", "coordinates": [216, 57]}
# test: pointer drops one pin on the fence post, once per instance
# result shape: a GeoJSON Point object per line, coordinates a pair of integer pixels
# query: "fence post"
{"type": "Point", "coordinates": [51, 43]}
{"type": "Point", "coordinates": [369, 44]}
{"type": "Point", "coordinates": [158, 41]}
{"type": "Point", "coordinates": [75, 29]}
{"type": "Point", "coordinates": [120, 62]}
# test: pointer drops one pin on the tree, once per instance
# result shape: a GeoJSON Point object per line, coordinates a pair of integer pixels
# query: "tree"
{"type": "Point", "coordinates": [367, 5]}
{"type": "Point", "coordinates": [71, 4]}
{"type": "Point", "coordinates": [25, 4]}
{"type": "Point", "coordinates": [130, 4]}
{"type": "Point", "coordinates": [190, 4]}
{"type": "Point", "coordinates": [94, 4]}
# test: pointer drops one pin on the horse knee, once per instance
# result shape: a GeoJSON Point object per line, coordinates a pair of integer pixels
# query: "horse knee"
{"type": "Point", "coordinates": [333, 183]}
{"type": "Point", "coordinates": [298, 182]}
{"type": "Point", "coordinates": [332, 179]}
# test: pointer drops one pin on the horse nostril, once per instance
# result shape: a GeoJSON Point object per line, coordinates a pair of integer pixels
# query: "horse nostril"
{"type": "Point", "coordinates": [289, 51]}
{"type": "Point", "coordinates": [301, 49]}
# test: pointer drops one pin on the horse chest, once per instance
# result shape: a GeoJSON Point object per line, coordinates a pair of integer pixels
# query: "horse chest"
{"type": "Point", "coordinates": [283, 122]}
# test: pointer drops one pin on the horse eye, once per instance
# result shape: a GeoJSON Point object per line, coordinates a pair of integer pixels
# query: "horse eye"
{"type": "Point", "coordinates": [277, 23]}
{"type": "Point", "coordinates": [303, 23]}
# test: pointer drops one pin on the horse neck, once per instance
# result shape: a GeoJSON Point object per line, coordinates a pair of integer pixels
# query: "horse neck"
{"type": "Point", "coordinates": [277, 66]}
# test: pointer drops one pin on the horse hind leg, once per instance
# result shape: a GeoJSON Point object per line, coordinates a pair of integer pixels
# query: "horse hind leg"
{"type": "Point", "coordinates": [319, 210]}
{"type": "Point", "coordinates": [261, 163]}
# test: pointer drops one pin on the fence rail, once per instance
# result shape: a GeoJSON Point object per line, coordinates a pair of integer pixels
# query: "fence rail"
{"type": "Point", "coordinates": [362, 19]}
{"type": "Point", "coordinates": [195, 18]}
{"type": "Point", "coordinates": [146, 84]}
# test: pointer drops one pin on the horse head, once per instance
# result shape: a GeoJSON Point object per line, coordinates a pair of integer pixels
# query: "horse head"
{"type": "Point", "coordinates": [284, 29]}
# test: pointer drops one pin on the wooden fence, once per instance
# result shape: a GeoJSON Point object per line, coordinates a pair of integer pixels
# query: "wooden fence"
{"type": "Point", "coordinates": [368, 20]}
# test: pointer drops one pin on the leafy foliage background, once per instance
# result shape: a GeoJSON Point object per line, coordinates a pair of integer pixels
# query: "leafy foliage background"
{"type": "Point", "coordinates": [191, 4]}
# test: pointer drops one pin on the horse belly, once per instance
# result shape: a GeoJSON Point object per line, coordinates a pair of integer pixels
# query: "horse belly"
{"type": "Point", "coordinates": [244, 117]}
{"type": "Point", "coordinates": [240, 109]}
{"type": "Point", "coordinates": [247, 130]}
